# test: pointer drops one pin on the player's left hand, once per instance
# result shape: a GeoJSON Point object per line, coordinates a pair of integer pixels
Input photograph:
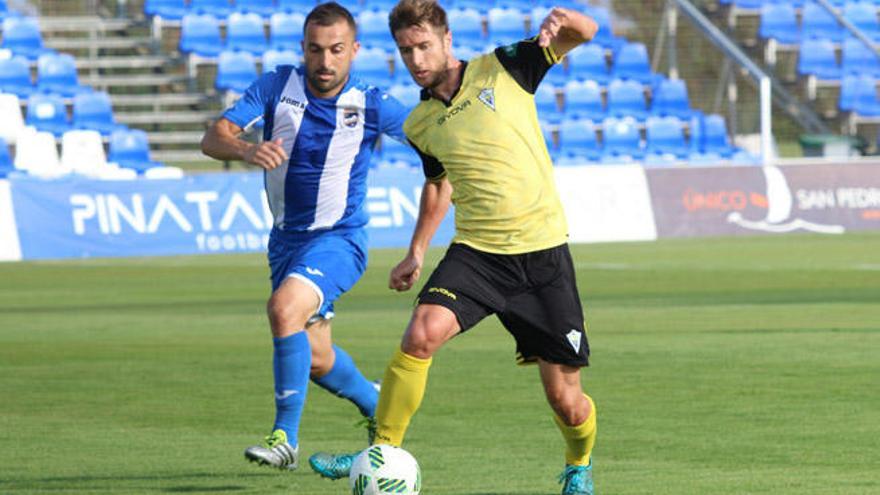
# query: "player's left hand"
{"type": "Point", "coordinates": [551, 25]}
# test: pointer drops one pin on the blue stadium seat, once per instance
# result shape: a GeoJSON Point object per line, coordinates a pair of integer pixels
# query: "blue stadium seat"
{"type": "Point", "coordinates": [546, 103]}
{"type": "Point", "coordinates": [482, 7]}
{"type": "Point", "coordinates": [583, 99]}
{"type": "Point", "coordinates": [272, 58]}
{"type": "Point", "coordinates": [56, 73]}
{"type": "Point", "coordinates": [371, 65]}
{"type": "Point", "coordinates": [373, 29]}
{"type": "Point", "coordinates": [588, 62]}
{"type": "Point", "coordinates": [626, 98]}
{"type": "Point", "coordinates": [779, 22]}
{"type": "Point", "coordinates": [465, 52]}
{"type": "Point", "coordinates": [557, 75]}
{"type": "Point", "coordinates": [21, 35]}
{"type": "Point", "coordinates": [664, 136]}
{"type": "Point", "coordinates": [670, 97]}
{"type": "Point", "coordinates": [395, 151]}
{"type": "Point", "coordinates": [578, 137]}
{"type": "Point", "coordinates": [264, 8]}
{"type": "Point", "coordinates": [849, 87]}
{"type": "Point", "coordinates": [217, 8]}
{"type": "Point", "coordinates": [748, 4]}
{"type": "Point", "coordinates": [506, 26]}
{"type": "Point", "coordinates": [381, 4]}
{"type": "Point", "coordinates": [467, 27]}
{"type": "Point", "coordinates": [714, 136]}
{"type": "Point", "coordinates": [817, 22]}
{"type": "Point", "coordinates": [547, 132]}
{"type": "Point", "coordinates": [200, 35]}
{"type": "Point", "coordinates": [604, 36]}
{"type": "Point", "coordinates": [15, 76]}
{"type": "Point", "coordinates": [407, 94]}
{"type": "Point", "coordinates": [4, 9]}
{"type": "Point", "coordinates": [857, 58]}
{"type": "Point", "coordinates": [286, 29]}
{"type": "Point", "coordinates": [94, 111]}
{"type": "Point", "coordinates": [866, 102]}
{"type": "Point", "coordinates": [816, 57]}
{"type": "Point", "coordinates": [130, 149]}
{"type": "Point", "coordinates": [302, 6]}
{"type": "Point", "coordinates": [46, 112]}
{"type": "Point", "coordinates": [6, 166]}
{"type": "Point", "coordinates": [631, 62]}
{"type": "Point", "coordinates": [166, 9]}
{"type": "Point", "coordinates": [244, 31]}
{"type": "Point", "coordinates": [236, 70]}
{"type": "Point", "coordinates": [864, 16]}
{"type": "Point", "coordinates": [353, 6]}
{"type": "Point", "coordinates": [621, 141]}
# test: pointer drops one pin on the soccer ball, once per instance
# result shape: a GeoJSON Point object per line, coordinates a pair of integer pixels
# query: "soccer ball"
{"type": "Point", "coordinates": [385, 469]}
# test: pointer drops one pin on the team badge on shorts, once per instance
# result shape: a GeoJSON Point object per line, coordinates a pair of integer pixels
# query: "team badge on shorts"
{"type": "Point", "coordinates": [574, 338]}
{"type": "Point", "coordinates": [487, 96]}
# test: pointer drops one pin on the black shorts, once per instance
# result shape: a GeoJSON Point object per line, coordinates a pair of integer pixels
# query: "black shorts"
{"type": "Point", "coordinates": [534, 295]}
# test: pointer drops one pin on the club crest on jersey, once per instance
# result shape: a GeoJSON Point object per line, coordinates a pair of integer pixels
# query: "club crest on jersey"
{"type": "Point", "coordinates": [350, 117]}
{"type": "Point", "coordinates": [487, 96]}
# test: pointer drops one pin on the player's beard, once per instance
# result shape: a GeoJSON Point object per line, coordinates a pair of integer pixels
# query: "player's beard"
{"type": "Point", "coordinates": [328, 85]}
{"type": "Point", "coordinates": [438, 77]}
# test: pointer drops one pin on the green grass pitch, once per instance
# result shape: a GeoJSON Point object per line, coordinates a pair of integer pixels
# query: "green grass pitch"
{"type": "Point", "coordinates": [721, 366]}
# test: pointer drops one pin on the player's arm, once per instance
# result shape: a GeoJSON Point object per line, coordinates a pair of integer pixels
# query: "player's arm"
{"type": "Point", "coordinates": [433, 205]}
{"type": "Point", "coordinates": [222, 141]}
{"type": "Point", "coordinates": [564, 29]}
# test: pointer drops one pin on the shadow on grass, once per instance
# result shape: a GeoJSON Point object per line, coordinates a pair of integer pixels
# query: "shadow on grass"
{"type": "Point", "coordinates": [203, 489]}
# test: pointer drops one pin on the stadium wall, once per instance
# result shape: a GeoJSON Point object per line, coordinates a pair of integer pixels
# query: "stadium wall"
{"type": "Point", "coordinates": [227, 212]}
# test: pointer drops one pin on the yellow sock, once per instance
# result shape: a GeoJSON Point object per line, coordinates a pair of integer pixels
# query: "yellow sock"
{"type": "Point", "coordinates": [579, 439]}
{"type": "Point", "coordinates": [402, 390]}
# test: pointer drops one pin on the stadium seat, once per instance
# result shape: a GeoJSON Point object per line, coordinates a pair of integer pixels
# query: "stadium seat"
{"type": "Point", "coordinates": [578, 137]}
{"type": "Point", "coordinates": [371, 66]}
{"type": "Point", "coordinates": [626, 98]}
{"type": "Point", "coordinates": [236, 70]}
{"type": "Point", "coordinates": [482, 7]}
{"type": "Point", "coordinates": [217, 8]}
{"type": "Point", "coordinates": [82, 152]}
{"type": "Point", "coordinates": [463, 52]}
{"type": "Point", "coordinates": [632, 62]}
{"type": "Point", "coordinates": [244, 31]}
{"type": "Point", "coordinates": [866, 103]}
{"type": "Point", "coordinates": [200, 35]}
{"type": "Point", "coordinates": [353, 6]}
{"type": "Point", "coordinates": [12, 123]}
{"type": "Point", "coordinates": [37, 154]}
{"type": "Point", "coordinates": [858, 58]}
{"type": "Point", "coordinates": [849, 86]}
{"type": "Point", "coordinates": [166, 9]}
{"type": "Point", "coordinates": [407, 94]}
{"type": "Point", "coordinates": [547, 132]}
{"type": "Point", "coordinates": [395, 151]}
{"type": "Point", "coordinates": [818, 23]}
{"type": "Point", "coordinates": [620, 141]}
{"type": "Point", "coordinates": [46, 112]}
{"type": "Point", "coordinates": [286, 29]}
{"type": "Point", "coordinates": [583, 99]}
{"type": "Point", "coordinates": [21, 35]}
{"type": "Point", "coordinates": [864, 16]}
{"type": "Point", "coordinates": [94, 111]}
{"type": "Point", "coordinates": [467, 26]}
{"type": "Point", "coordinates": [56, 73]}
{"type": "Point", "coordinates": [779, 22]}
{"type": "Point", "coordinates": [130, 149]}
{"type": "Point", "coordinates": [557, 75]}
{"type": "Point", "coordinates": [588, 62]}
{"type": "Point", "coordinates": [15, 76]}
{"type": "Point", "coordinates": [302, 6]}
{"type": "Point", "coordinates": [670, 97]}
{"type": "Point", "coordinates": [272, 58]}
{"type": "Point", "coordinates": [373, 29]}
{"type": "Point", "coordinates": [664, 136]}
{"type": "Point", "coordinates": [748, 4]}
{"type": "Point", "coordinates": [714, 136]}
{"type": "Point", "coordinates": [6, 166]}
{"type": "Point", "coordinates": [817, 58]}
{"type": "Point", "coordinates": [547, 104]}
{"type": "Point", "coordinates": [263, 8]}
{"type": "Point", "coordinates": [506, 26]}
{"type": "Point", "coordinates": [604, 36]}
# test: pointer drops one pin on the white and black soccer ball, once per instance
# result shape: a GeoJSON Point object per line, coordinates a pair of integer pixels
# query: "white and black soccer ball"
{"type": "Point", "coordinates": [383, 469]}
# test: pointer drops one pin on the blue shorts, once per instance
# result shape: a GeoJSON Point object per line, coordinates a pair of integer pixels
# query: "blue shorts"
{"type": "Point", "coordinates": [331, 262]}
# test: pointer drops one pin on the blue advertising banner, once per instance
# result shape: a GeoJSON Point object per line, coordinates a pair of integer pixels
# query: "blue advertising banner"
{"type": "Point", "coordinates": [207, 213]}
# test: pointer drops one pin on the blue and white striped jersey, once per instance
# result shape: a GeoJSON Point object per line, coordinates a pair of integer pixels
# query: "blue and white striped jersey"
{"type": "Point", "coordinates": [329, 142]}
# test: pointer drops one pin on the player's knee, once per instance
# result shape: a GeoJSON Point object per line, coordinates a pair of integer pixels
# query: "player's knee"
{"type": "Point", "coordinates": [424, 336]}
{"type": "Point", "coordinates": [285, 317]}
{"type": "Point", "coordinates": [569, 405]}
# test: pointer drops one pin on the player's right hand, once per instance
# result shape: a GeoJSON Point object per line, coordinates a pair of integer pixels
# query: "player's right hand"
{"type": "Point", "coordinates": [405, 274]}
{"type": "Point", "coordinates": [266, 155]}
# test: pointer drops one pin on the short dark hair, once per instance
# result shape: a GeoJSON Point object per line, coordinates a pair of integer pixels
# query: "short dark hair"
{"type": "Point", "coordinates": [328, 14]}
{"type": "Point", "coordinates": [408, 13]}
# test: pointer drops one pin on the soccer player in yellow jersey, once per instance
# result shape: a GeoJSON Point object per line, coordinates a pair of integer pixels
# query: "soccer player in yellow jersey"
{"type": "Point", "coordinates": [477, 131]}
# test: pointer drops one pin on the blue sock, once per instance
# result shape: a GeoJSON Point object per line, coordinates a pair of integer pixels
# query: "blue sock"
{"type": "Point", "coordinates": [292, 363]}
{"type": "Point", "coordinates": [345, 380]}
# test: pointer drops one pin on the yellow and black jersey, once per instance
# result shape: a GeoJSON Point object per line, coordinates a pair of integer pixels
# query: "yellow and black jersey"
{"type": "Point", "coordinates": [488, 142]}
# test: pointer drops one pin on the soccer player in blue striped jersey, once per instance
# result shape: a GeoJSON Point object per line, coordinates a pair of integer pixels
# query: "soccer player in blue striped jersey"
{"type": "Point", "coordinates": [319, 129]}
